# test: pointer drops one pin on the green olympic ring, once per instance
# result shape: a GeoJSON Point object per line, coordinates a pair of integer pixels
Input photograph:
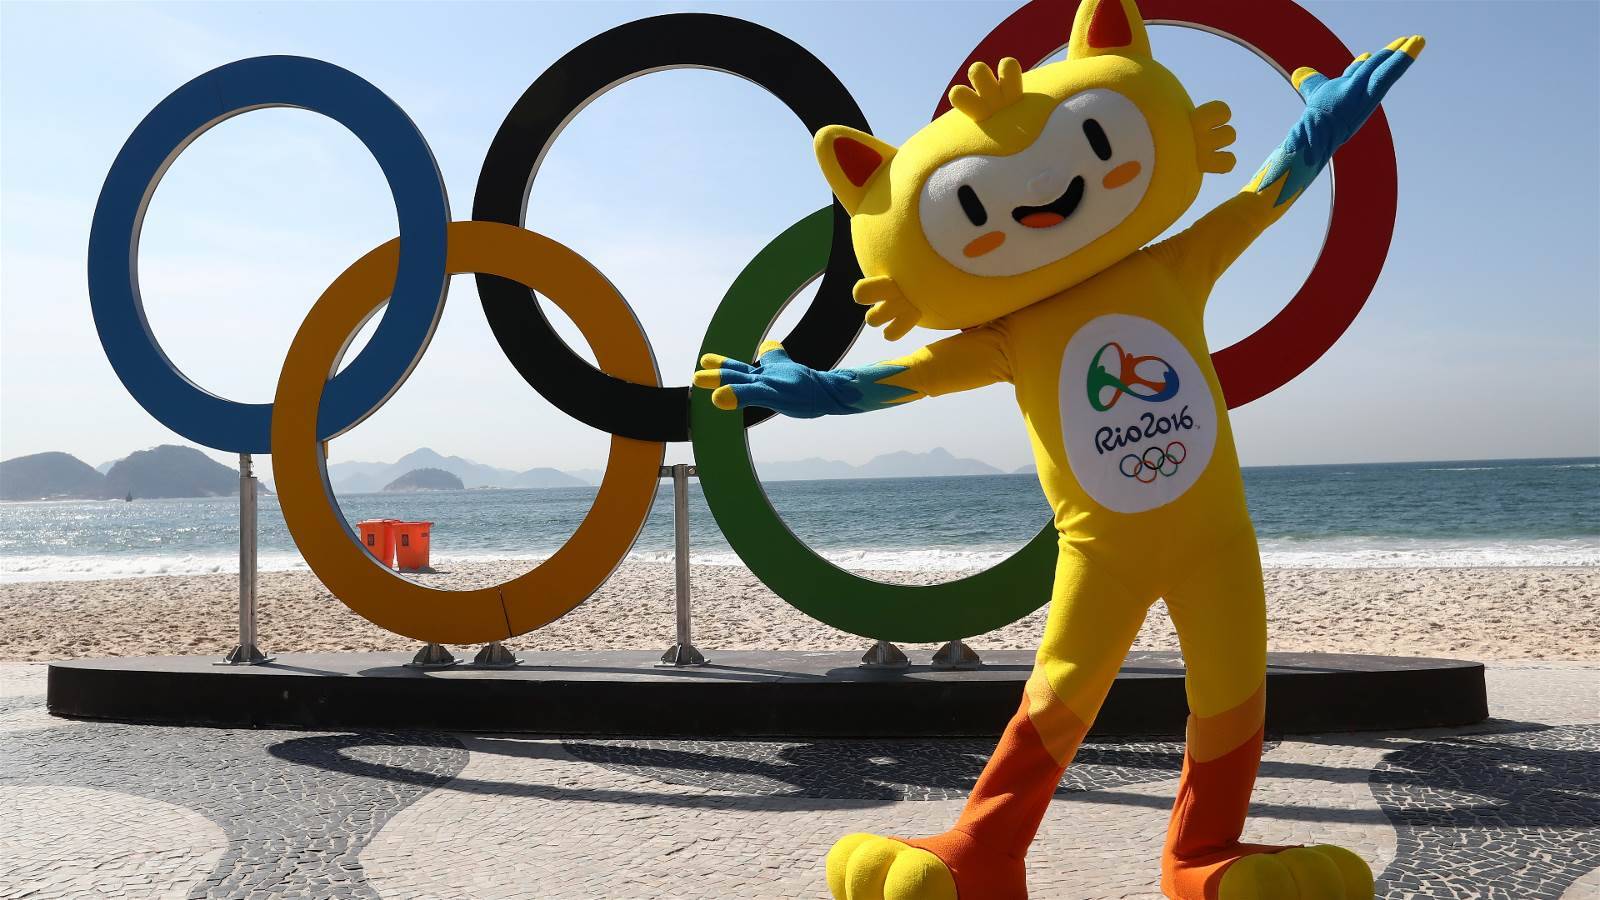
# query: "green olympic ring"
{"type": "Point", "coordinates": [983, 602]}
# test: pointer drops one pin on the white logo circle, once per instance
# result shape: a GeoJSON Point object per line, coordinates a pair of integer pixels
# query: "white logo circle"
{"type": "Point", "coordinates": [1137, 415]}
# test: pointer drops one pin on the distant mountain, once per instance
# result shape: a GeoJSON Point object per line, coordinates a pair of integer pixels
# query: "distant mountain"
{"type": "Point", "coordinates": [1029, 469]}
{"type": "Point", "coordinates": [900, 464]}
{"type": "Point", "coordinates": [165, 471]}
{"type": "Point", "coordinates": [811, 469]}
{"type": "Point", "coordinates": [938, 461]}
{"type": "Point", "coordinates": [170, 471]}
{"type": "Point", "coordinates": [50, 476]}
{"type": "Point", "coordinates": [546, 478]}
{"type": "Point", "coordinates": [359, 477]}
{"type": "Point", "coordinates": [371, 477]}
{"type": "Point", "coordinates": [425, 480]}
{"type": "Point", "coordinates": [471, 473]}
{"type": "Point", "coordinates": [360, 483]}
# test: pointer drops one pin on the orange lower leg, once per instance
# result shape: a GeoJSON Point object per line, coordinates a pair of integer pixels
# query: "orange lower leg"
{"type": "Point", "coordinates": [985, 849]}
{"type": "Point", "coordinates": [1213, 800]}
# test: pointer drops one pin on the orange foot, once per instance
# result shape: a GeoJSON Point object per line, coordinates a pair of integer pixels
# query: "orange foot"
{"type": "Point", "coordinates": [1249, 872]}
{"type": "Point", "coordinates": [946, 867]}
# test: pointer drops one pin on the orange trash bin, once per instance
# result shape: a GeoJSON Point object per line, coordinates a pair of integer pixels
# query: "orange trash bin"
{"type": "Point", "coordinates": [377, 535]}
{"type": "Point", "coordinates": [411, 545]}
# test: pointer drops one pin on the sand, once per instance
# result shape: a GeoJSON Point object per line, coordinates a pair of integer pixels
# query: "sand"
{"type": "Point", "coordinates": [1472, 613]}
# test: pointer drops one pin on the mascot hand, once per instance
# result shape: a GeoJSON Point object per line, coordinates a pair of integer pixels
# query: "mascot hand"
{"type": "Point", "coordinates": [1336, 108]}
{"type": "Point", "coordinates": [782, 385]}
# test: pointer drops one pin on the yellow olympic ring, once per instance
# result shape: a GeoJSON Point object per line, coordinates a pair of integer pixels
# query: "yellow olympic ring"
{"type": "Point", "coordinates": [555, 586]}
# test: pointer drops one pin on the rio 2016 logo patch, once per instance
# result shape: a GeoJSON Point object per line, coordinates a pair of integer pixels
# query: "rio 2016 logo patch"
{"type": "Point", "coordinates": [1137, 415]}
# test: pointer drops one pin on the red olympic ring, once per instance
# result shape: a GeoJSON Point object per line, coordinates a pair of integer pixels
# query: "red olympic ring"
{"type": "Point", "coordinates": [1360, 223]}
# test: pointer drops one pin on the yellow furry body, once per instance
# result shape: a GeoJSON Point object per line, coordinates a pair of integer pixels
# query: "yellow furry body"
{"type": "Point", "coordinates": [1024, 216]}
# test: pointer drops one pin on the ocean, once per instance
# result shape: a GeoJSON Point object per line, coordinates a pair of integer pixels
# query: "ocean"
{"type": "Point", "coordinates": [1534, 512]}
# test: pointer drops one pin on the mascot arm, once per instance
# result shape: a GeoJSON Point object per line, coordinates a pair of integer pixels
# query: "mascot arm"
{"type": "Point", "coordinates": [962, 362]}
{"type": "Point", "coordinates": [1336, 108]}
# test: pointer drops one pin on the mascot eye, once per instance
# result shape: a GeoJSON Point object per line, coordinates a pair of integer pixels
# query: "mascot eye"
{"type": "Point", "coordinates": [972, 206]}
{"type": "Point", "coordinates": [1098, 142]}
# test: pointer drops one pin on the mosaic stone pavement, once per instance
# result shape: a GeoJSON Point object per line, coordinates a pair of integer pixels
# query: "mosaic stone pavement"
{"type": "Point", "coordinates": [862, 770]}
{"type": "Point", "coordinates": [1508, 809]}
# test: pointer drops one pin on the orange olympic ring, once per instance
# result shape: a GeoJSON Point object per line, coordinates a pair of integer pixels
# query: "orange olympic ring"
{"type": "Point", "coordinates": [555, 586]}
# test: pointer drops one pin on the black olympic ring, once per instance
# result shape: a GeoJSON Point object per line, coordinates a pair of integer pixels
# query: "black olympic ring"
{"type": "Point", "coordinates": [684, 40]}
{"type": "Point", "coordinates": [1166, 462]}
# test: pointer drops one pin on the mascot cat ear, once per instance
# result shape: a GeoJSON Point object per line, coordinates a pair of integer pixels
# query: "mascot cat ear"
{"type": "Point", "coordinates": [1108, 27]}
{"type": "Point", "coordinates": [850, 160]}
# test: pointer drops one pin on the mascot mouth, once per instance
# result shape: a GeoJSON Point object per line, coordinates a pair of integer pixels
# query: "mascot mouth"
{"type": "Point", "coordinates": [1053, 213]}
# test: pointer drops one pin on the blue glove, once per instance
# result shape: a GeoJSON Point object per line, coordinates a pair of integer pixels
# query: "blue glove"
{"type": "Point", "coordinates": [778, 383]}
{"type": "Point", "coordinates": [1336, 108]}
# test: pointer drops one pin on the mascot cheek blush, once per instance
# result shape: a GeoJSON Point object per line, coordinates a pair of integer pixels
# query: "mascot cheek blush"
{"type": "Point", "coordinates": [1024, 217]}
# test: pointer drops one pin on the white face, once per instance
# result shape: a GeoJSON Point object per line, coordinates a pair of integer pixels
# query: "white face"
{"type": "Point", "coordinates": [1005, 215]}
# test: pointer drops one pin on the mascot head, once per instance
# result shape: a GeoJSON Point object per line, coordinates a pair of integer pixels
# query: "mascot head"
{"type": "Point", "coordinates": [1031, 183]}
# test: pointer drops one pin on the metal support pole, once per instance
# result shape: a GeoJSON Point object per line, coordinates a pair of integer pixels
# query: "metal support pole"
{"type": "Point", "coordinates": [956, 655]}
{"type": "Point", "coordinates": [432, 656]}
{"type": "Point", "coordinates": [246, 652]}
{"type": "Point", "coordinates": [885, 655]}
{"type": "Point", "coordinates": [494, 655]}
{"type": "Point", "coordinates": [682, 653]}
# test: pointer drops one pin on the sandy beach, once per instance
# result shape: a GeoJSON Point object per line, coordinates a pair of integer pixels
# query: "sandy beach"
{"type": "Point", "coordinates": [1473, 613]}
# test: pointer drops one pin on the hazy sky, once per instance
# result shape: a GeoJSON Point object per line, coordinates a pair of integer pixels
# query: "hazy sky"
{"type": "Point", "coordinates": [1481, 340]}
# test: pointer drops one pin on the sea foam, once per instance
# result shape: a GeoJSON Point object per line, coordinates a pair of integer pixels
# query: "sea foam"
{"type": "Point", "coordinates": [1352, 553]}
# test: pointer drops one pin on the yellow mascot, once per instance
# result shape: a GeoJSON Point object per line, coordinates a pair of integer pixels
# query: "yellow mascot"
{"type": "Point", "coordinates": [1022, 217]}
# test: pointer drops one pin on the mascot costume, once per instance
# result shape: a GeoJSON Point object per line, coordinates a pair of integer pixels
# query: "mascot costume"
{"type": "Point", "coordinates": [1022, 217]}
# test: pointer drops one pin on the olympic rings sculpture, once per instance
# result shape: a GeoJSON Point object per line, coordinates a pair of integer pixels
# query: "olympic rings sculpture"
{"type": "Point", "coordinates": [624, 396]}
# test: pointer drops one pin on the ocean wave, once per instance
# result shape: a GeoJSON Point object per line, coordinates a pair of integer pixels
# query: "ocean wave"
{"type": "Point", "coordinates": [85, 567]}
{"type": "Point", "coordinates": [1386, 553]}
{"type": "Point", "coordinates": [1514, 465]}
{"type": "Point", "coordinates": [1340, 553]}
{"type": "Point", "coordinates": [879, 560]}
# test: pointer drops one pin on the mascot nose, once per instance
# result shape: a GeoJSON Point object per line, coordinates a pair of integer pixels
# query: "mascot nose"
{"type": "Point", "coordinates": [1045, 186]}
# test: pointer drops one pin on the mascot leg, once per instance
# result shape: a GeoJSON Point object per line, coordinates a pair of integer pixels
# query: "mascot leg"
{"type": "Point", "coordinates": [1220, 614]}
{"type": "Point", "coordinates": [1094, 618]}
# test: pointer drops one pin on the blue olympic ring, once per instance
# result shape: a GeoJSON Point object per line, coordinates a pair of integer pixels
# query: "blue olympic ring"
{"type": "Point", "coordinates": [1166, 462]}
{"type": "Point", "coordinates": [421, 205]}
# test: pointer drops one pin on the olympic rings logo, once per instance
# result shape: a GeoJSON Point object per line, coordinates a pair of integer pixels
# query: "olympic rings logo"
{"type": "Point", "coordinates": [624, 396]}
{"type": "Point", "coordinates": [1156, 461]}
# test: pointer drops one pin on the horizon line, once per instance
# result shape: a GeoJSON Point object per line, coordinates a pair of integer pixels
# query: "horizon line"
{"type": "Point", "coordinates": [1004, 470]}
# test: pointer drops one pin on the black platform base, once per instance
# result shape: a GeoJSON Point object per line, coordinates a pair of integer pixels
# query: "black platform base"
{"type": "Point", "coordinates": [742, 694]}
